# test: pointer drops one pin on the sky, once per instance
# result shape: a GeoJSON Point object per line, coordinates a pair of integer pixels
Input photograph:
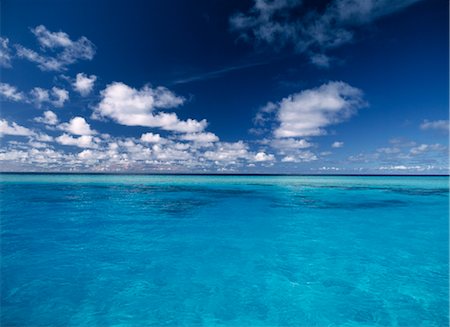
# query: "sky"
{"type": "Point", "coordinates": [225, 86]}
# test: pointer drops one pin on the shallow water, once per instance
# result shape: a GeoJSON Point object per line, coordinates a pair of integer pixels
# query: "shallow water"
{"type": "Point", "coordinates": [103, 250]}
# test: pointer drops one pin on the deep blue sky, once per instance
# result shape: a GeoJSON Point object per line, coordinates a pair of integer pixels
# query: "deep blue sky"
{"type": "Point", "coordinates": [226, 60]}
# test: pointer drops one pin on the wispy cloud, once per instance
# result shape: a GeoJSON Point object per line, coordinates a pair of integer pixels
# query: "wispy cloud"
{"type": "Point", "coordinates": [286, 23]}
{"type": "Point", "coordinates": [68, 51]}
{"type": "Point", "coordinates": [217, 73]}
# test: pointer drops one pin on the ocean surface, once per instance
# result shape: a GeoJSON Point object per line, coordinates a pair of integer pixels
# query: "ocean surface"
{"type": "Point", "coordinates": [105, 250]}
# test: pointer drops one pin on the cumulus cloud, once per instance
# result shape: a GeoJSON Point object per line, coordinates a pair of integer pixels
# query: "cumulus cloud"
{"type": "Point", "coordinates": [262, 157]}
{"type": "Point", "coordinates": [84, 141]}
{"type": "Point", "coordinates": [337, 144]}
{"type": "Point", "coordinates": [438, 125]}
{"type": "Point", "coordinates": [151, 138]}
{"type": "Point", "coordinates": [286, 23]}
{"type": "Point", "coordinates": [300, 156]}
{"type": "Point", "coordinates": [10, 92]}
{"type": "Point", "coordinates": [14, 129]}
{"type": "Point", "coordinates": [56, 96]}
{"type": "Point", "coordinates": [5, 53]}
{"type": "Point", "coordinates": [289, 144]}
{"type": "Point", "coordinates": [67, 50]}
{"type": "Point", "coordinates": [77, 126]}
{"type": "Point", "coordinates": [84, 84]}
{"type": "Point", "coordinates": [136, 107]}
{"type": "Point", "coordinates": [205, 137]}
{"type": "Point", "coordinates": [48, 118]}
{"type": "Point", "coordinates": [228, 153]}
{"type": "Point", "coordinates": [307, 113]}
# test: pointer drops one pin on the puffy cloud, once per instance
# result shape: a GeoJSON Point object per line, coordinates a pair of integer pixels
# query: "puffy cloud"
{"type": "Point", "coordinates": [307, 113]}
{"type": "Point", "coordinates": [48, 118]}
{"type": "Point", "coordinates": [10, 92]}
{"type": "Point", "coordinates": [228, 153]}
{"type": "Point", "coordinates": [5, 53]}
{"type": "Point", "coordinates": [59, 96]}
{"type": "Point", "coordinates": [289, 144]}
{"type": "Point", "coordinates": [337, 144]}
{"type": "Point", "coordinates": [205, 137]}
{"type": "Point", "coordinates": [285, 23]}
{"type": "Point", "coordinates": [68, 51]}
{"type": "Point", "coordinates": [300, 156]}
{"type": "Point", "coordinates": [84, 84]}
{"type": "Point", "coordinates": [439, 125]}
{"type": "Point", "coordinates": [56, 96]}
{"type": "Point", "coordinates": [84, 141]}
{"type": "Point", "coordinates": [14, 129]}
{"type": "Point", "coordinates": [262, 156]}
{"type": "Point", "coordinates": [132, 107]}
{"type": "Point", "coordinates": [151, 138]}
{"type": "Point", "coordinates": [77, 126]}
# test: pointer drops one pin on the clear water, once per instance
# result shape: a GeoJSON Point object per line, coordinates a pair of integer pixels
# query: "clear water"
{"type": "Point", "coordinates": [227, 251]}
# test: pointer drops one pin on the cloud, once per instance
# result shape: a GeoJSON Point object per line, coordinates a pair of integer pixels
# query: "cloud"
{"type": "Point", "coordinates": [151, 138]}
{"type": "Point", "coordinates": [337, 144]}
{"type": "Point", "coordinates": [307, 113]}
{"type": "Point", "coordinates": [77, 126]}
{"type": "Point", "coordinates": [200, 137]}
{"type": "Point", "coordinates": [286, 23]}
{"type": "Point", "coordinates": [439, 125]}
{"type": "Point", "coordinates": [228, 153]}
{"type": "Point", "coordinates": [56, 96]}
{"type": "Point", "coordinates": [10, 92]}
{"type": "Point", "coordinates": [84, 141]}
{"type": "Point", "coordinates": [68, 51]}
{"type": "Point", "coordinates": [300, 156]}
{"type": "Point", "coordinates": [262, 157]}
{"type": "Point", "coordinates": [48, 118]}
{"type": "Point", "coordinates": [132, 107]}
{"type": "Point", "coordinates": [84, 84]}
{"type": "Point", "coordinates": [289, 144]}
{"type": "Point", "coordinates": [424, 148]}
{"type": "Point", "coordinates": [14, 129]}
{"type": "Point", "coordinates": [59, 96]}
{"type": "Point", "coordinates": [5, 53]}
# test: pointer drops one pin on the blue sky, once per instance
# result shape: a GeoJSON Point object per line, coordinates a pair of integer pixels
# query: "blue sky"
{"type": "Point", "coordinates": [258, 86]}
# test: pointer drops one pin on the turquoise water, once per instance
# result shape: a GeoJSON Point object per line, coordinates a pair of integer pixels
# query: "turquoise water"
{"type": "Point", "coordinates": [98, 250]}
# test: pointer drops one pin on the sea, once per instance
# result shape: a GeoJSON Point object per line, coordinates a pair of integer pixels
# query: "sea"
{"type": "Point", "coordinates": [188, 250]}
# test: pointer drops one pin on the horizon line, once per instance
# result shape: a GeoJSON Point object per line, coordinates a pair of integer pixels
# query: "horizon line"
{"type": "Point", "coordinates": [216, 174]}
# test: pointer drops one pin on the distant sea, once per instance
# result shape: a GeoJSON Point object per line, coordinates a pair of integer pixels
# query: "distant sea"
{"type": "Point", "coordinates": [135, 250]}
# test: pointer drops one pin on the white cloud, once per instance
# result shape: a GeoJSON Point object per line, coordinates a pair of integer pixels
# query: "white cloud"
{"type": "Point", "coordinates": [307, 113]}
{"type": "Point", "coordinates": [48, 118]}
{"type": "Point", "coordinates": [84, 84]}
{"type": "Point", "coordinates": [228, 153]}
{"type": "Point", "coordinates": [337, 144]}
{"type": "Point", "coordinates": [205, 137]}
{"type": "Point", "coordinates": [77, 126]}
{"type": "Point", "coordinates": [56, 96]}
{"type": "Point", "coordinates": [14, 129]}
{"type": "Point", "coordinates": [5, 53]}
{"type": "Point", "coordinates": [151, 138]}
{"type": "Point", "coordinates": [132, 107]}
{"type": "Point", "coordinates": [289, 144]}
{"type": "Point", "coordinates": [68, 51]}
{"type": "Point", "coordinates": [300, 156]}
{"type": "Point", "coordinates": [262, 156]}
{"type": "Point", "coordinates": [84, 141]}
{"type": "Point", "coordinates": [423, 148]}
{"type": "Point", "coordinates": [287, 23]}
{"type": "Point", "coordinates": [10, 92]}
{"type": "Point", "coordinates": [59, 96]}
{"type": "Point", "coordinates": [440, 125]}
